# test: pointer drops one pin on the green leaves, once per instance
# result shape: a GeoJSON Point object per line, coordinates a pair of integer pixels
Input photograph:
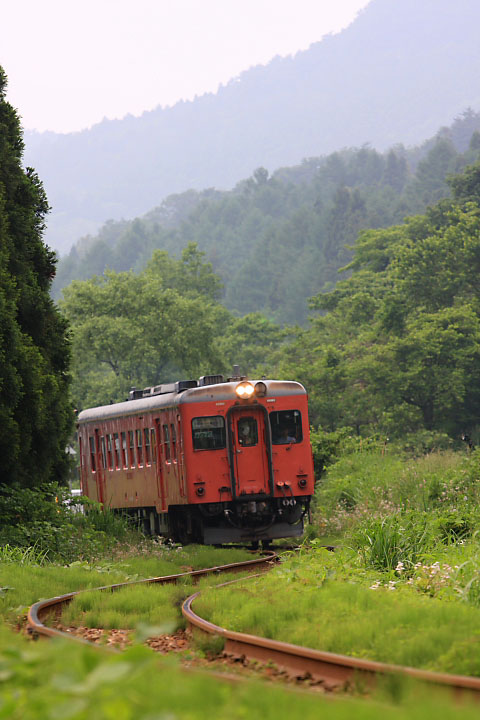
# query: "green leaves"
{"type": "Point", "coordinates": [35, 415]}
{"type": "Point", "coordinates": [143, 329]}
{"type": "Point", "coordinates": [404, 328]}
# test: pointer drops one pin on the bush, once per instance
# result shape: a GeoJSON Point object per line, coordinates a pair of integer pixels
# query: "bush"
{"type": "Point", "coordinates": [45, 520]}
{"type": "Point", "coordinates": [328, 447]}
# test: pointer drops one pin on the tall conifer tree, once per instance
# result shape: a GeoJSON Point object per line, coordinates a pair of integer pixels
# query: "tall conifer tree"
{"type": "Point", "coordinates": [35, 415]}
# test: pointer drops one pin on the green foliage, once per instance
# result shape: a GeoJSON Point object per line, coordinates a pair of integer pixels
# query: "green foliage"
{"type": "Point", "coordinates": [384, 544]}
{"type": "Point", "coordinates": [35, 415]}
{"type": "Point", "coordinates": [326, 601]}
{"type": "Point", "coordinates": [276, 240]}
{"type": "Point", "coordinates": [397, 352]}
{"type": "Point", "coordinates": [376, 492]}
{"type": "Point", "coordinates": [143, 329]}
{"type": "Point", "coordinates": [65, 680]}
{"type": "Point", "coordinates": [158, 326]}
{"type": "Point", "coordinates": [43, 523]}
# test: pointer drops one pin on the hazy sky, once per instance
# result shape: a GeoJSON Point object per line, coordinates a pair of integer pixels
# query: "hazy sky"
{"type": "Point", "coordinates": [70, 63]}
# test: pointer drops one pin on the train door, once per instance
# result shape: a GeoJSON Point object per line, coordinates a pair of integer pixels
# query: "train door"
{"type": "Point", "coordinates": [250, 449]}
{"type": "Point", "coordinates": [158, 465]}
{"type": "Point", "coordinates": [180, 456]}
{"type": "Point", "coordinates": [101, 465]}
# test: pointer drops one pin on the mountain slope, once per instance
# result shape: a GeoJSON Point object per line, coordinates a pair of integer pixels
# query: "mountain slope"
{"type": "Point", "coordinates": [398, 72]}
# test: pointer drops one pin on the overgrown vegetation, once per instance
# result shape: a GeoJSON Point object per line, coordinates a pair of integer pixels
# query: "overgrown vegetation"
{"type": "Point", "coordinates": [58, 680]}
{"type": "Point", "coordinates": [47, 522]}
{"type": "Point", "coordinates": [404, 585]}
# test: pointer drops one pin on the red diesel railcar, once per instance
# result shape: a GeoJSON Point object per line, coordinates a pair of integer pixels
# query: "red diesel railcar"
{"type": "Point", "coordinates": [203, 461]}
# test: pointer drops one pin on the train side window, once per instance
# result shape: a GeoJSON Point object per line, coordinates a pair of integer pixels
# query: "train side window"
{"type": "Point", "coordinates": [208, 433]}
{"type": "Point", "coordinates": [91, 441]}
{"type": "Point", "coordinates": [166, 440]}
{"type": "Point", "coordinates": [154, 445]}
{"type": "Point", "coordinates": [148, 455]}
{"type": "Point", "coordinates": [124, 449]}
{"type": "Point", "coordinates": [286, 427]}
{"type": "Point", "coordinates": [139, 448]}
{"type": "Point", "coordinates": [174, 443]}
{"type": "Point", "coordinates": [104, 452]}
{"type": "Point", "coordinates": [116, 448]}
{"type": "Point", "coordinates": [131, 445]}
{"type": "Point", "coordinates": [247, 431]}
{"type": "Point", "coordinates": [110, 452]}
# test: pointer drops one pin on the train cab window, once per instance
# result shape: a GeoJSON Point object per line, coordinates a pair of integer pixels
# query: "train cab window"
{"type": "Point", "coordinates": [104, 452]}
{"type": "Point", "coordinates": [247, 431]}
{"type": "Point", "coordinates": [139, 448]}
{"type": "Point", "coordinates": [131, 446]}
{"type": "Point", "coordinates": [123, 437]}
{"type": "Point", "coordinates": [91, 441]}
{"type": "Point", "coordinates": [110, 452]}
{"type": "Point", "coordinates": [286, 427]}
{"type": "Point", "coordinates": [166, 440]}
{"type": "Point", "coordinates": [153, 444]}
{"type": "Point", "coordinates": [148, 454]}
{"type": "Point", "coordinates": [116, 449]}
{"type": "Point", "coordinates": [208, 433]}
{"type": "Point", "coordinates": [174, 442]}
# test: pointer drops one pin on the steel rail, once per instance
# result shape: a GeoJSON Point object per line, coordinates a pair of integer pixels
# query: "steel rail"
{"type": "Point", "coordinates": [332, 669]}
{"type": "Point", "coordinates": [39, 610]}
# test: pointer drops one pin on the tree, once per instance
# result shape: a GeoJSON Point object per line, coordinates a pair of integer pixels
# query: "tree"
{"type": "Point", "coordinates": [398, 347]}
{"type": "Point", "coordinates": [144, 329]}
{"type": "Point", "coordinates": [35, 413]}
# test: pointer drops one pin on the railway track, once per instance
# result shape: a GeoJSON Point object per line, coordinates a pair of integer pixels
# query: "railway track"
{"type": "Point", "coordinates": [332, 670]}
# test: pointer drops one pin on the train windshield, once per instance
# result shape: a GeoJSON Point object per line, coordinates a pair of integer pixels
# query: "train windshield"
{"type": "Point", "coordinates": [247, 431]}
{"type": "Point", "coordinates": [208, 433]}
{"type": "Point", "coordinates": [286, 427]}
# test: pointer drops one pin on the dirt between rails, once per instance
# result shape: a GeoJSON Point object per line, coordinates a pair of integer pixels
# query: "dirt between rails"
{"type": "Point", "coordinates": [223, 663]}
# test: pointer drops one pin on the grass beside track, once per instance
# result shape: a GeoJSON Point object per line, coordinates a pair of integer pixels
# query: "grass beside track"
{"type": "Point", "coordinates": [57, 680]}
{"type": "Point", "coordinates": [157, 606]}
{"type": "Point", "coordinates": [23, 581]}
{"type": "Point", "coordinates": [321, 601]}
{"type": "Point", "coordinates": [405, 588]}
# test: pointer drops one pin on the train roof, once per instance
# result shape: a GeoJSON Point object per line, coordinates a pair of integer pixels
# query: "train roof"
{"type": "Point", "coordinates": [219, 392]}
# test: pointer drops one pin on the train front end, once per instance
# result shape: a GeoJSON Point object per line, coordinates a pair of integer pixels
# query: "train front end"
{"type": "Point", "coordinates": [248, 459]}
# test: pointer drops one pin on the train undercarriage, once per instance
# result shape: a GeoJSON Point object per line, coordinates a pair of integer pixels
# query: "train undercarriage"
{"type": "Point", "coordinates": [242, 521]}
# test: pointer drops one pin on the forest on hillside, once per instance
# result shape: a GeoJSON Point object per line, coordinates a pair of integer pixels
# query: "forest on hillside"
{"type": "Point", "coordinates": [382, 80]}
{"type": "Point", "coordinates": [393, 350]}
{"type": "Point", "coordinates": [276, 240]}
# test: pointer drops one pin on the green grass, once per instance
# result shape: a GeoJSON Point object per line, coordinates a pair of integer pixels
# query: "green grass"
{"type": "Point", "coordinates": [326, 601]}
{"type": "Point", "coordinates": [157, 606]}
{"type": "Point", "coordinates": [24, 582]}
{"type": "Point", "coordinates": [56, 680]}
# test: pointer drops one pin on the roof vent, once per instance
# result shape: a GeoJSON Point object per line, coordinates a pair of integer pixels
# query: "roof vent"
{"type": "Point", "coordinates": [135, 394]}
{"type": "Point", "coordinates": [210, 380]}
{"type": "Point", "coordinates": [182, 385]}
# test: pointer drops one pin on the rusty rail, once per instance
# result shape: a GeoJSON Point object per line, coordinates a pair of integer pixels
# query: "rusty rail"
{"type": "Point", "coordinates": [333, 670]}
{"type": "Point", "coordinates": [41, 609]}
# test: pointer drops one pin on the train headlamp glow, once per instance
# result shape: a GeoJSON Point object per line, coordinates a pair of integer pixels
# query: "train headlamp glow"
{"type": "Point", "coordinates": [245, 390]}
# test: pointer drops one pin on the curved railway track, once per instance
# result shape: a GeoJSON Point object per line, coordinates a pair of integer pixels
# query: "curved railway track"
{"type": "Point", "coordinates": [332, 670]}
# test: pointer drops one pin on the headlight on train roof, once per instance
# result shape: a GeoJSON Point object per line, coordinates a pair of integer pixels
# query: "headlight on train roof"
{"type": "Point", "coordinates": [245, 390]}
{"type": "Point", "coordinates": [260, 389]}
